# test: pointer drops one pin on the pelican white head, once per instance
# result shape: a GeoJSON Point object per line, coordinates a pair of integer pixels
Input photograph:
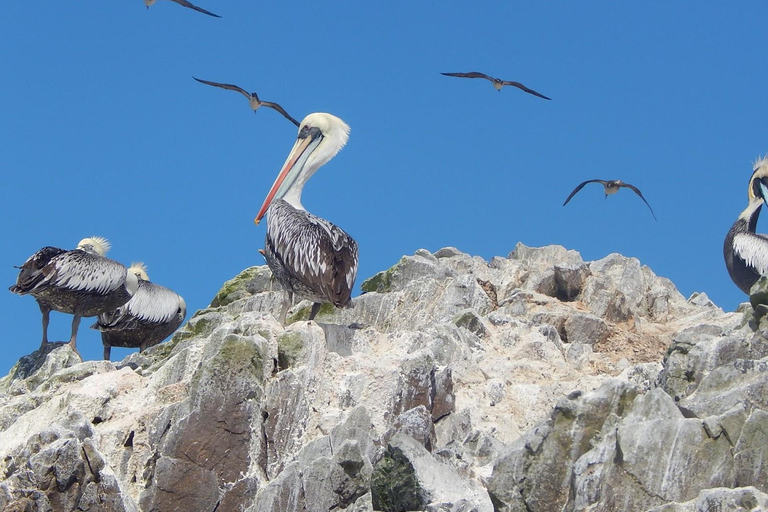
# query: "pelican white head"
{"type": "Point", "coordinates": [139, 269]}
{"type": "Point", "coordinates": [320, 137]}
{"type": "Point", "coordinates": [95, 245]}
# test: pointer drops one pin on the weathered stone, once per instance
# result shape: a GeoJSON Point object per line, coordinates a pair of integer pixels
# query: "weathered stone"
{"type": "Point", "coordinates": [569, 280]}
{"type": "Point", "coordinates": [500, 370]}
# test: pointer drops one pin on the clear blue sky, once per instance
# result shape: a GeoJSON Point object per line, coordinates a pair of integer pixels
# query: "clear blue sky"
{"type": "Point", "coordinates": [105, 133]}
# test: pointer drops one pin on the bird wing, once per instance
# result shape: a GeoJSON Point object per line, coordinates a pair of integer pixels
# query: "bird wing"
{"type": "Point", "coordinates": [637, 191]}
{"type": "Point", "coordinates": [151, 304]}
{"type": "Point", "coordinates": [471, 74]}
{"type": "Point", "coordinates": [31, 274]}
{"type": "Point", "coordinates": [579, 187]}
{"type": "Point", "coordinates": [524, 88]}
{"type": "Point", "coordinates": [281, 110]}
{"type": "Point", "coordinates": [753, 249]}
{"type": "Point", "coordinates": [226, 86]}
{"type": "Point", "coordinates": [198, 9]}
{"type": "Point", "coordinates": [79, 270]}
{"type": "Point", "coordinates": [316, 252]}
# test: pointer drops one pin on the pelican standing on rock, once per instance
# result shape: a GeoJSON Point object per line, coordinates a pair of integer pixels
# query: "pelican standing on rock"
{"type": "Point", "coordinates": [310, 257]}
{"type": "Point", "coordinates": [152, 314]}
{"type": "Point", "coordinates": [746, 252]}
{"type": "Point", "coordinates": [253, 98]}
{"type": "Point", "coordinates": [81, 282]}
{"type": "Point", "coordinates": [611, 187]}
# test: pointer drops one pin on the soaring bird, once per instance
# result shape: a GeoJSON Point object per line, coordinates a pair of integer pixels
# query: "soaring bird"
{"type": "Point", "coordinates": [152, 314]}
{"type": "Point", "coordinates": [309, 256]}
{"type": "Point", "coordinates": [497, 82]}
{"type": "Point", "coordinates": [184, 3]}
{"type": "Point", "coordinates": [611, 187]}
{"type": "Point", "coordinates": [81, 282]}
{"type": "Point", "coordinates": [746, 252]}
{"type": "Point", "coordinates": [253, 98]}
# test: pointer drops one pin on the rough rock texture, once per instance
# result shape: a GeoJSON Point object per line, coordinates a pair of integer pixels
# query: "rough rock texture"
{"type": "Point", "coordinates": [535, 382]}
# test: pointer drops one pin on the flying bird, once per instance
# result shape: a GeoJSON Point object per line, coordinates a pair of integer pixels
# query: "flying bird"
{"type": "Point", "coordinates": [253, 98]}
{"type": "Point", "coordinates": [309, 256]}
{"type": "Point", "coordinates": [81, 282]}
{"type": "Point", "coordinates": [611, 187]}
{"type": "Point", "coordinates": [497, 82]}
{"type": "Point", "coordinates": [746, 252]}
{"type": "Point", "coordinates": [185, 4]}
{"type": "Point", "coordinates": [153, 313]}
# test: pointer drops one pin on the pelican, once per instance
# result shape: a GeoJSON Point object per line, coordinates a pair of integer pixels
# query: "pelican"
{"type": "Point", "coordinates": [611, 187]}
{"type": "Point", "coordinates": [81, 282]}
{"type": "Point", "coordinates": [309, 256]}
{"type": "Point", "coordinates": [497, 82]}
{"type": "Point", "coordinates": [152, 314]}
{"type": "Point", "coordinates": [184, 3]}
{"type": "Point", "coordinates": [253, 99]}
{"type": "Point", "coordinates": [746, 252]}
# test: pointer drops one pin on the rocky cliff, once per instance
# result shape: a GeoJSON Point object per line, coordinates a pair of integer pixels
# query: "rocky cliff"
{"type": "Point", "coordinates": [536, 382]}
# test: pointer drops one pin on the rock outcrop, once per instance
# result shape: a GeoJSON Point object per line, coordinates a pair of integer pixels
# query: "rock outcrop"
{"type": "Point", "coordinates": [535, 382]}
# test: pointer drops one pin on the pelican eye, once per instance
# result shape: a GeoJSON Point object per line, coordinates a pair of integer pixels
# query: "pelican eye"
{"type": "Point", "coordinates": [305, 132]}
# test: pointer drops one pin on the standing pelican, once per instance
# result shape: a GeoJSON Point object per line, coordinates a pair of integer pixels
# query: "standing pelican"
{"type": "Point", "coordinates": [497, 82]}
{"type": "Point", "coordinates": [746, 252]}
{"type": "Point", "coordinates": [184, 3]}
{"type": "Point", "coordinates": [253, 99]}
{"type": "Point", "coordinates": [81, 282]}
{"type": "Point", "coordinates": [152, 314]}
{"type": "Point", "coordinates": [309, 256]}
{"type": "Point", "coordinates": [611, 187]}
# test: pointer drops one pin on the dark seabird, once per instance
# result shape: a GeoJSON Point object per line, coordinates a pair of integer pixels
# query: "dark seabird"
{"type": "Point", "coordinates": [81, 282]}
{"type": "Point", "coordinates": [611, 187]}
{"type": "Point", "coordinates": [184, 3]}
{"type": "Point", "coordinates": [746, 252]}
{"type": "Point", "coordinates": [497, 82]}
{"type": "Point", "coordinates": [152, 314]}
{"type": "Point", "coordinates": [309, 256]}
{"type": "Point", "coordinates": [253, 98]}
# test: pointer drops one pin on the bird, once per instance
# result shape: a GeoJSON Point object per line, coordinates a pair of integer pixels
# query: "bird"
{"type": "Point", "coordinates": [611, 187]}
{"type": "Point", "coordinates": [497, 82]}
{"type": "Point", "coordinates": [309, 256]}
{"type": "Point", "coordinates": [81, 282]}
{"type": "Point", "coordinates": [746, 252]}
{"type": "Point", "coordinates": [253, 98]}
{"type": "Point", "coordinates": [153, 313]}
{"type": "Point", "coordinates": [184, 3]}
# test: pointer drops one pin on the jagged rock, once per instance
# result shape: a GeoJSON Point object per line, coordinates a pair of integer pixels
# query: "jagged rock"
{"type": "Point", "coordinates": [534, 382]}
{"type": "Point", "coordinates": [743, 499]}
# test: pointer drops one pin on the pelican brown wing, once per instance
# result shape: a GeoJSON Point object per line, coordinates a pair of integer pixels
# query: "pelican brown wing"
{"type": "Point", "coordinates": [579, 187]}
{"type": "Point", "coordinates": [637, 191]}
{"type": "Point", "coordinates": [229, 87]}
{"type": "Point", "coordinates": [280, 109]}
{"type": "Point", "coordinates": [319, 257]}
{"type": "Point", "coordinates": [471, 74]}
{"type": "Point", "coordinates": [196, 8]}
{"type": "Point", "coordinates": [524, 88]}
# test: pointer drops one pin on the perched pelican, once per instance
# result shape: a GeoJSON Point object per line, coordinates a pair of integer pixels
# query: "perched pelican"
{"type": "Point", "coordinates": [309, 256]}
{"type": "Point", "coordinates": [497, 82]}
{"type": "Point", "coordinates": [184, 3]}
{"type": "Point", "coordinates": [746, 252]}
{"type": "Point", "coordinates": [81, 282]}
{"type": "Point", "coordinates": [152, 314]}
{"type": "Point", "coordinates": [611, 187]}
{"type": "Point", "coordinates": [253, 99]}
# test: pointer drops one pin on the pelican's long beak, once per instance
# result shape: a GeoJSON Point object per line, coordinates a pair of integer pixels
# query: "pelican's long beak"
{"type": "Point", "coordinates": [308, 140]}
{"type": "Point", "coordinates": [763, 189]}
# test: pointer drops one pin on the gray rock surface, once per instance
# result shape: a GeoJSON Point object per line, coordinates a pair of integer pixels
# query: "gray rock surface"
{"type": "Point", "coordinates": [535, 382]}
